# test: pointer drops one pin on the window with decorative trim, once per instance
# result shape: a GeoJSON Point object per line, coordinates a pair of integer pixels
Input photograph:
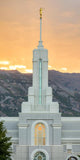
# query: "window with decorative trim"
{"type": "Point", "coordinates": [72, 158]}
{"type": "Point", "coordinates": [40, 134]}
{"type": "Point", "coordinates": [39, 156]}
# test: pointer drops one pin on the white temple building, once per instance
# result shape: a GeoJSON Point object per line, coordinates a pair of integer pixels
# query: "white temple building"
{"type": "Point", "coordinates": [40, 133]}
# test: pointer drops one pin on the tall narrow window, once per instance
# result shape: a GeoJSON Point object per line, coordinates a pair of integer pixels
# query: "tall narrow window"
{"type": "Point", "coordinates": [40, 81]}
{"type": "Point", "coordinates": [40, 134]}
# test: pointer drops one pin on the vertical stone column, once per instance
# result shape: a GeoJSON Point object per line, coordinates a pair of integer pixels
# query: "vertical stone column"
{"type": "Point", "coordinates": [23, 134]}
{"type": "Point", "coordinates": [56, 135]}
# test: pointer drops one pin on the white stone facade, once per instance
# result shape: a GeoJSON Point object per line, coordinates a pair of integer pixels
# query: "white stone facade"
{"type": "Point", "coordinates": [60, 135]}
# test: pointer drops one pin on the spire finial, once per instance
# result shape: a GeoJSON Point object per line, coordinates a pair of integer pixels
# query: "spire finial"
{"type": "Point", "coordinates": [40, 42]}
{"type": "Point", "coordinates": [41, 13]}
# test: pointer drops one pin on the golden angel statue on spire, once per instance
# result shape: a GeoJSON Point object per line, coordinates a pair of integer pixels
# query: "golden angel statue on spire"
{"type": "Point", "coordinates": [40, 13]}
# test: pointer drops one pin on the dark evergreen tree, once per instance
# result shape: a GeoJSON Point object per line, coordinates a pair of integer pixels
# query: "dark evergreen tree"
{"type": "Point", "coordinates": [5, 144]}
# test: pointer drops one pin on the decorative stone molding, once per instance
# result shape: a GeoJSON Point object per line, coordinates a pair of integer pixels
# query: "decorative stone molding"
{"type": "Point", "coordinates": [40, 150]}
{"type": "Point", "coordinates": [56, 125]}
{"type": "Point", "coordinates": [23, 125]}
{"type": "Point", "coordinates": [72, 155]}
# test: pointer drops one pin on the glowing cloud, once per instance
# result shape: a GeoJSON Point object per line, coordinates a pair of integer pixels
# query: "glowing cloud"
{"type": "Point", "coordinates": [63, 69]}
{"type": "Point", "coordinates": [3, 68]}
{"type": "Point", "coordinates": [20, 68]}
{"type": "Point", "coordinates": [4, 62]}
{"type": "Point", "coordinates": [14, 67]}
{"type": "Point", "coordinates": [29, 70]}
{"type": "Point", "coordinates": [49, 66]}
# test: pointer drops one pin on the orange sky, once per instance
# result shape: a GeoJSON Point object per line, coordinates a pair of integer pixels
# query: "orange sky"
{"type": "Point", "coordinates": [19, 33]}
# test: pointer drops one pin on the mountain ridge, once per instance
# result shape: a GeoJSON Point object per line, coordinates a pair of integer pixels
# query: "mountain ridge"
{"type": "Point", "coordinates": [14, 90]}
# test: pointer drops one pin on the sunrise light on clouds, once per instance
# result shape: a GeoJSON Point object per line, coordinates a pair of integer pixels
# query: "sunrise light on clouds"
{"type": "Point", "coordinates": [4, 62]}
{"type": "Point", "coordinates": [29, 71]}
{"type": "Point", "coordinates": [5, 65]}
{"type": "Point", "coordinates": [19, 33]}
{"type": "Point", "coordinates": [14, 67]}
{"type": "Point", "coordinates": [63, 69]}
{"type": "Point", "coordinates": [3, 68]}
{"type": "Point", "coordinates": [20, 68]}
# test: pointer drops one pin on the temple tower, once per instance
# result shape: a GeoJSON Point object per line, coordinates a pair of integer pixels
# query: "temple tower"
{"type": "Point", "coordinates": [40, 95]}
{"type": "Point", "coordinates": [39, 120]}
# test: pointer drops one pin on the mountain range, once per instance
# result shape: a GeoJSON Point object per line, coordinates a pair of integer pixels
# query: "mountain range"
{"type": "Point", "coordinates": [14, 90]}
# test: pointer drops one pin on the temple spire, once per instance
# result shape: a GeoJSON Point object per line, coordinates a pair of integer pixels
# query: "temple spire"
{"type": "Point", "coordinates": [40, 41]}
{"type": "Point", "coordinates": [40, 24]}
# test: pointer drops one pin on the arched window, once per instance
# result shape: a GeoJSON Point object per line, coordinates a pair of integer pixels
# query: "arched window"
{"type": "Point", "coordinates": [40, 134]}
{"type": "Point", "coordinates": [39, 156]}
{"type": "Point", "coordinates": [72, 158]}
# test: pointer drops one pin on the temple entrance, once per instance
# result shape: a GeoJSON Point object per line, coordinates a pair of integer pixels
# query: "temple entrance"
{"type": "Point", "coordinates": [72, 158]}
{"type": "Point", "coordinates": [39, 156]}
